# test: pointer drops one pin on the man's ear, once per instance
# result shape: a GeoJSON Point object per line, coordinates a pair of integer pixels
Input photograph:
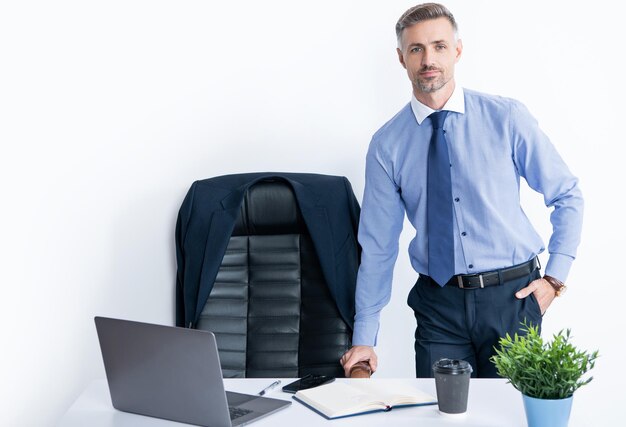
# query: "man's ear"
{"type": "Point", "coordinates": [401, 57]}
{"type": "Point", "coordinates": [459, 49]}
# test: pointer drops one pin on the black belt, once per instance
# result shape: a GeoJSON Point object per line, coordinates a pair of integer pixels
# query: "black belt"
{"type": "Point", "coordinates": [495, 277]}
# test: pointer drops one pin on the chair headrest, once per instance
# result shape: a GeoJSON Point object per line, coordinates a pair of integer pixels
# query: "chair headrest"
{"type": "Point", "coordinates": [269, 208]}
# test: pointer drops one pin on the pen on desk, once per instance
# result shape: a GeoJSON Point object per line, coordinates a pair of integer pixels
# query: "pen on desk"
{"type": "Point", "coordinates": [269, 387]}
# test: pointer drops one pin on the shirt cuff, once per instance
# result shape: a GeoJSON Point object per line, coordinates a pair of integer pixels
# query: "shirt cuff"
{"type": "Point", "coordinates": [559, 266]}
{"type": "Point", "coordinates": [365, 332]}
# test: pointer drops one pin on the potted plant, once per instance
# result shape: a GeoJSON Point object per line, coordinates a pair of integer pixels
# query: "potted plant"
{"type": "Point", "coordinates": [547, 374]}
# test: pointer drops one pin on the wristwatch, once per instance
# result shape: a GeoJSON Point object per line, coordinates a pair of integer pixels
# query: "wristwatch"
{"type": "Point", "coordinates": [558, 286]}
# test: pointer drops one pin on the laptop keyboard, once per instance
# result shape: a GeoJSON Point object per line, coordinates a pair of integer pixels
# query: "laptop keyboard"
{"type": "Point", "coordinates": [236, 412]}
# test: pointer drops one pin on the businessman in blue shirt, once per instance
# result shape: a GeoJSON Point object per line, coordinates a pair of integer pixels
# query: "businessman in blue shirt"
{"type": "Point", "coordinates": [451, 160]}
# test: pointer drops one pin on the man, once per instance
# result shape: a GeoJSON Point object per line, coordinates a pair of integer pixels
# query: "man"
{"type": "Point", "coordinates": [452, 161]}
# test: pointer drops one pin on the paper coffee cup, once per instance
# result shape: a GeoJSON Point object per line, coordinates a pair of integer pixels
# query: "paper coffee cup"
{"type": "Point", "coordinates": [452, 377]}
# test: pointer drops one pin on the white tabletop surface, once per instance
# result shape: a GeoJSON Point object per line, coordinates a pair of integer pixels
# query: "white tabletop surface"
{"type": "Point", "coordinates": [492, 402]}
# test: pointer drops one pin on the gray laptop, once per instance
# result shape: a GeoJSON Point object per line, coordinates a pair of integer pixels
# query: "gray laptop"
{"type": "Point", "coordinates": [173, 373]}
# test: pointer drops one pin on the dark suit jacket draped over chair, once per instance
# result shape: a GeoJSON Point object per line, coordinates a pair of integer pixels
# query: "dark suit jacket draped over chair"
{"type": "Point", "coordinates": [208, 215]}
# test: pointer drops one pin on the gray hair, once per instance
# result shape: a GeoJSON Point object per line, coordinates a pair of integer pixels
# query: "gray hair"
{"type": "Point", "coordinates": [424, 12]}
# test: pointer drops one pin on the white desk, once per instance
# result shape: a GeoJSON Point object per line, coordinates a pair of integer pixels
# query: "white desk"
{"type": "Point", "coordinates": [492, 403]}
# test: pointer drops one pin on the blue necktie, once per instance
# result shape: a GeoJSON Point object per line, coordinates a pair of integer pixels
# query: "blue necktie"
{"type": "Point", "coordinates": [439, 205]}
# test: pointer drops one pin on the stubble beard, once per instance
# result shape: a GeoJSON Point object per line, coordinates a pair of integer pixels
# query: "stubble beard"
{"type": "Point", "coordinates": [431, 85]}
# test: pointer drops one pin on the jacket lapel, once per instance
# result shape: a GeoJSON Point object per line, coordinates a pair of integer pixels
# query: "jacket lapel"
{"type": "Point", "coordinates": [220, 230]}
{"type": "Point", "coordinates": [318, 224]}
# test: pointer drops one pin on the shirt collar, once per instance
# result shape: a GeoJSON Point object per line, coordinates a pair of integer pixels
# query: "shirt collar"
{"type": "Point", "coordinates": [455, 103]}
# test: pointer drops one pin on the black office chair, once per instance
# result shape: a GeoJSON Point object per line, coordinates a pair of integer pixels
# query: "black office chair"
{"type": "Point", "coordinates": [270, 307]}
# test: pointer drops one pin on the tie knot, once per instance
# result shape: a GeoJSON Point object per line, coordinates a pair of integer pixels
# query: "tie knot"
{"type": "Point", "coordinates": [437, 118]}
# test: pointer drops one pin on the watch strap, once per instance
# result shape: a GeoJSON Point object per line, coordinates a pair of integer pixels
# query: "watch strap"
{"type": "Point", "coordinates": [558, 286]}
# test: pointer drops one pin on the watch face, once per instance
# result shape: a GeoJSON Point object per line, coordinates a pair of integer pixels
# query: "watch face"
{"type": "Point", "coordinates": [561, 291]}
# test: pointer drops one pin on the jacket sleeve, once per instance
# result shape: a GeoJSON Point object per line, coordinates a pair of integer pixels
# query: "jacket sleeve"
{"type": "Point", "coordinates": [355, 212]}
{"type": "Point", "coordinates": [181, 230]}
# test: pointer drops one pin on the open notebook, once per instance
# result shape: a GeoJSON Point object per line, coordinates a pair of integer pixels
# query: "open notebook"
{"type": "Point", "coordinates": [340, 399]}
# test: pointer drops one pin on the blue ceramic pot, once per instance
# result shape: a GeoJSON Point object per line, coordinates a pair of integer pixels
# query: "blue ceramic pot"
{"type": "Point", "coordinates": [547, 412]}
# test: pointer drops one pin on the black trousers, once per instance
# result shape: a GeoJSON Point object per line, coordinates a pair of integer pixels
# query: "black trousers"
{"type": "Point", "coordinates": [467, 323]}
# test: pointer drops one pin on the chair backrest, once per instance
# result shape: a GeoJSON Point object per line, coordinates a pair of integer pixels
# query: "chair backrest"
{"type": "Point", "coordinates": [270, 308]}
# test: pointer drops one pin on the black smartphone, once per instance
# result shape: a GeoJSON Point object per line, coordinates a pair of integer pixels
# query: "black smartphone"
{"type": "Point", "coordinates": [308, 381]}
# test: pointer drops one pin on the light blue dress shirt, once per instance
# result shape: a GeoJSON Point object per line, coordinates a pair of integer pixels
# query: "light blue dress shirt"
{"type": "Point", "coordinates": [493, 141]}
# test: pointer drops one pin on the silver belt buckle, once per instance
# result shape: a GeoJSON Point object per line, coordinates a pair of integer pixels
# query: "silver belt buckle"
{"type": "Point", "coordinates": [460, 281]}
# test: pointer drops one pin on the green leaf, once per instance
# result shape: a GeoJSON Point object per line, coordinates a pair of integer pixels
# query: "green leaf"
{"type": "Point", "coordinates": [550, 370]}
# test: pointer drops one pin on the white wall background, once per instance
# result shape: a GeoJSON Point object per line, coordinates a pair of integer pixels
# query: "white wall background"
{"type": "Point", "coordinates": [109, 110]}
